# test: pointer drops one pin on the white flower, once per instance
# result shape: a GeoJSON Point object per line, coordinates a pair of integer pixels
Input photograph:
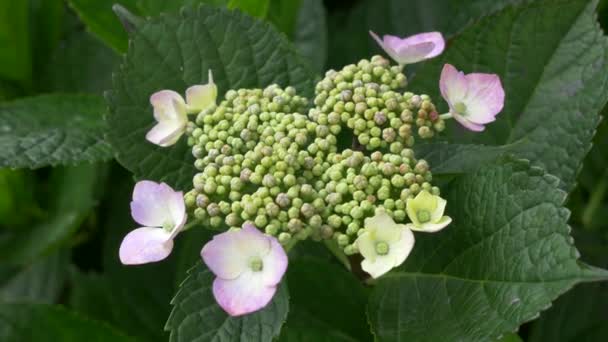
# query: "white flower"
{"type": "Point", "coordinates": [171, 111]}
{"type": "Point", "coordinates": [162, 212]}
{"type": "Point", "coordinates": [426, 213]}
{"type": "Point", "coordinates": [248, 264]}
{"type": "Point", "coordinates": [384, 244]}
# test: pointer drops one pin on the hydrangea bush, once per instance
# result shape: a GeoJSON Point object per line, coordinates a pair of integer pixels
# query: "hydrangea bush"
{"type": "Point", "coordinates": [413, 192]}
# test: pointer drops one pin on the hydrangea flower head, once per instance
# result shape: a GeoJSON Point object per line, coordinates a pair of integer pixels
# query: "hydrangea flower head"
{"type": "Point", "coordinates": [412, 49]}
{"type": "Point", "coordinates": [248, 264]}
{"type": "Point", "coordinates": [162, 213]}
{"type": "Point", "coordinates": [171, 111]}
{"type": "Point", "coordinates": [426, 213]}
{"type": "Point", "coordinates": [474, 99]}
{"type": "Point", "coordinates": [383, 244]}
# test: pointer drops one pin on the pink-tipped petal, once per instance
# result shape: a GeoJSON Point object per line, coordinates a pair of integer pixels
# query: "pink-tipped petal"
{"type": "Point", "coordinates": [275, 263]}
{"type": "Point", "coordinates": [411, 49]}
{"type": "Point", "coordinates": [229, 253]}
{"type": "Point", "coordinates": [468, 124]}
{"type": "Point", "coordinates": [410, 54]}
{"type": "Point", "coordinates": [166, 103]}
{"type": "Point", "coordinates": [242, 295]}
{"type": "Point", "coordinates": [145, 245]}
{"type": "Point", "coordinates": [485, 97]}
{"type": "Point", "coordinates": [386, 46]}
{"type": "Point", "coordinates": [155, 205]}
{"type": "Point", "coordinates": [165, 133]}
{"type": "Point", "coordinates": [453, 85]}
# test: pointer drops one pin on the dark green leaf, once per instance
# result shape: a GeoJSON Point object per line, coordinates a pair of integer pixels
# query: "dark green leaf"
{"type": "Point", "coordinates": [176, 51]}
{"type": "Point", "coordinates": [310, 36]}
{"type": "Point", "coordinates": [41, 282]}
{"type": "Point", "coordinates": [40, 322]}
{"type": "Point", "coordinates": [283, 14]}
{"type": "Point", "coordinates": [327, 297]}
{"type": "Point", "coordinates": [46, 25]}
{"type": "Point", "coordinates": [52, 130]}
{"type": "Point", "coordinates": [196, 316]}
{"type": "Point", "coordinates": [505, 257]}
{"type": "Point", "coordinates": [551, 57]}
{"type": "Point", "coordinates": [15, 57]}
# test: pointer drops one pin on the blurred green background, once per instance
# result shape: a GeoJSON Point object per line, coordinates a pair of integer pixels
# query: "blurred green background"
{"type": "Point", "coordinates": [60, 227]}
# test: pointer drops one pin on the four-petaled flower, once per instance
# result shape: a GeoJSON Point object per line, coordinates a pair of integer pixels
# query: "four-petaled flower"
{"type": "Point", "coordinates": [411, 49]}
{"type": "Point", "coordinates": [248, 264]}
{"type": "Point", "coordinates": [171, 111]}
{"type": "Point", "coordinates": [383, 244]}
{"type": "Point", "coordinates": [162, 212]}
{"type": "Point", "coordinates": [474, 99]}
{"type": "Point", "coordinates": [426, 213]}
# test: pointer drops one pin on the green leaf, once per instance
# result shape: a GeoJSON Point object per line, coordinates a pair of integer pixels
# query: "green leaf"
{"type": "Point", "coordinates": [69, 70]}
{"type": "Point", "coordinates": [310, 34]}
{"type": "Point", "coordinates": [40, 322]}
{"type": "Point", "coordinates": [551, 57]}
{"type": "Point", "coordinates": [101, 21]}
{"type": "Point", "coordinates": [175, 52]}
{"type": "Point", "coordinates": [41, 282]}
{"type": "Point", "coordinates": [52, 130]}
{"type": "Point", "coordinates": [507, 255]}
{"type": "Point", "coordinates": [196, 315]}
{"type": "Point", "coordinates": [15, 58]}
{"type": "Point", "coordinates": [283, 14]}
{"type": "Point", "coordinates": [327, 297]}
{"type": "Point", "coordinates": [256, 8]}
{"type": "Point", "coordinates": [46, 24]}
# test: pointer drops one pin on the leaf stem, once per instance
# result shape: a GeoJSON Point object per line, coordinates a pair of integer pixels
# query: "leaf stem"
{"type": "Point", "coordinates": [446, 116]}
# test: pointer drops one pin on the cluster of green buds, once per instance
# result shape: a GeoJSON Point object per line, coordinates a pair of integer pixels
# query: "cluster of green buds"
{"type": "Point", "coordinates": [258, 159]}
{"type": "Point", "coordinates": [366, 98]}
{"type": "Point", "coordinates": [357, 186]}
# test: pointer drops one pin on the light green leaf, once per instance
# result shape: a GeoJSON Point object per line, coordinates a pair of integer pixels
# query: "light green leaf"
{"type": "Point", "coordinates": [551, 57]}
{"type": "Point", "coordinates": [325, 300]}
{"type": "Point", "coordinates": [175, 52]}
{"type": "Point", "coordinates": [41, 322]}
{"type": "Point", "coordinates": [256, 8]}
{"type": "Point", "coordinates": [102, 22]}
{"type": "Point", "coordinates": [196, 316]}
{"type": "Point", "coordinates": [507, 255]}
{"type": "Point", "coordinates": [52, 130]}
{"type": "Point", "coordinates": [15, 57]}
{"type": "Point", "coordinates": [310, 34]}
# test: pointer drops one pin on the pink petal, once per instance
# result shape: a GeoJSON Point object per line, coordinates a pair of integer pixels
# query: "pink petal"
{"type": "Point", "coordinates": [165, 133]}
{"type": "Point", "coordinates": [144, 245]}
{"type": "Point", "coordinates": [453, 85]}
{"type": "Point", "coordinates": [157, 204]}
{"type": "Point", "coordinates": [166, 105]}
{"type": "Point", "coordinates": [468, 124]}
{"type": "Point", "coordinates": [434, 38]}
{"type": "Point", "coordinates": [228, 254]}
{"type": "Point", "coordinates": [485, 97]}
{"type": "Point", "coordinates": [242, 295]}
{"type": "Point", "coordinates": [275, 263]}
{"type": "Point", "coordinates": [412, 49]}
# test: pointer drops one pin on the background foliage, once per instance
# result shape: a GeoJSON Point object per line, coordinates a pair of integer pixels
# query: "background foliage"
{"type": "Point", "coordinates": [74, 87]}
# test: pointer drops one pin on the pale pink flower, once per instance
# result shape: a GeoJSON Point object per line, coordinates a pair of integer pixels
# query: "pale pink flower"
{"type": "Point", "coordinates": [162, 213]}
{"type": "Point", "coordinates": [474, 99]}
{"type": "Point", "coordinates": [248, 264]}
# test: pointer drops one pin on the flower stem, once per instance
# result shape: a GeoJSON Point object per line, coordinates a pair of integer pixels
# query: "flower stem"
{"type": "Point", "coordinates": [333, 247]}
{"type": "Point", "coordinates": [446, 116]}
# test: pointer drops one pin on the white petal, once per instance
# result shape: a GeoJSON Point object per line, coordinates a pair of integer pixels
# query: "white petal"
{"type": "Point", "coordinates": [378, 267]}
{"type": "Point", "coordinates": [242, 295]}
{"type": "Point", "coordinates": [166, 133]}
{"type": "Point", "coordinates": [400, 249]}
{"type": "Point", "coordinates": [367, 246]}
{"type": "Point", "coordinates": [144, 245]}
{"type": "Point", "coordinates": [453, 85]}
{"type": "Point", "coordinates": [437, 214]}
{"type": "Point", "coordinates": [274, 263]}
{"type": "Point", "coordinates": [201, 97]}
{"type": "Point", "coordinates": [431, 227]}
{"type": "Point", "coordinates": [168, 105]}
